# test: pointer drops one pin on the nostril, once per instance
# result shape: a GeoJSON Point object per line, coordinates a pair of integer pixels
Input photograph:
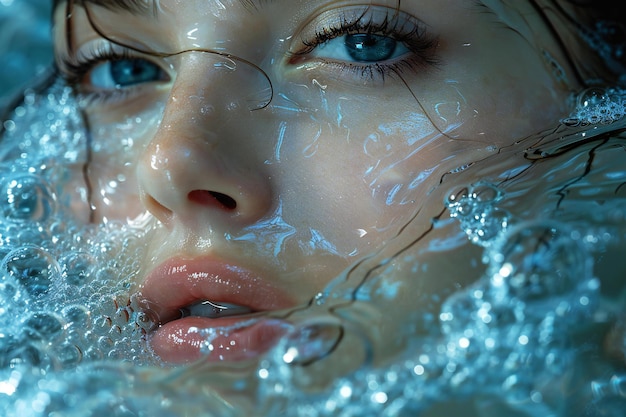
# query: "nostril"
{"type": "Point", "coordinates": [224, 200]}
{"type": "Point", "coordinates": [205, 197]}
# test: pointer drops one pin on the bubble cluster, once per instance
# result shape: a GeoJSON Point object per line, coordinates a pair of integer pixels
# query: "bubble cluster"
{"type": "Point", "coordinates": [598, 106]}
{"type": "Point", "coordinates": [475, 206]}
{"type": "Point", "coordinates": [606, 38]}
{"type": "Point", "coordinates": [538, 284]}
{"type": "Point", "coordinates": [27, 198]}
{"type": "Point", "coordinates": [64, 287]}
{"type": "Point", "coordinates": [501, 338]}
{"type": "Point", "coordinates": [65, 304]}
{"type": "Point", "coordinates": [59, 313]}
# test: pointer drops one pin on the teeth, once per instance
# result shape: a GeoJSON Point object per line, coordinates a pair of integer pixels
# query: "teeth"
{"type": "Point", "coordinates": [213, 310]}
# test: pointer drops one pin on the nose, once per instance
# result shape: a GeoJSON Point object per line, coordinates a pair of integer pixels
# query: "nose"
{"type": "Point", "coordinates": [202, 167]}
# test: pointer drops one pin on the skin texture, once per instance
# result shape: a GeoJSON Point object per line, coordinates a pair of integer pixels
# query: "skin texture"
{"type": "Point", "coordinates": [339, 163]}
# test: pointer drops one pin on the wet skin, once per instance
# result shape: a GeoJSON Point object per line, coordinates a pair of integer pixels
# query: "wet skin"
{"type": "Point", "coordinates": [292, 188]}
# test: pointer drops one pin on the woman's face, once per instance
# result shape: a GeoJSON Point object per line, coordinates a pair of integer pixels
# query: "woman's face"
{"type": "Point", "coordinates": [279, 142]}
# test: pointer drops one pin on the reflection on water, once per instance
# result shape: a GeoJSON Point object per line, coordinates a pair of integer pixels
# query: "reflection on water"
{"type": "Point", "coordinates": [537, 327]}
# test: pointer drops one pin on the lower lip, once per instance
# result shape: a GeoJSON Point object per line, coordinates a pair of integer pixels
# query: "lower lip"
{"type": "Point", "coordinates": [226, 339]}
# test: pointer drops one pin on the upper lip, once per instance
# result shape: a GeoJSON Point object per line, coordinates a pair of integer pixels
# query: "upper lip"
{"type": "Point", "coordinates": [181, 281]}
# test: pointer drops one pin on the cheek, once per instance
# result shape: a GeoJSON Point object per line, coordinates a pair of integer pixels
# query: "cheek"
{"type": "Point", "coordinates": [506, 91]}
{"type": "Point", "coordinates": [518, 107]}
{"type": "Point", "coordinates": [115, 150]}
{"type": "Point", "coordinates": [361, 181]}
{"type": "Point", "coordinates": [360, 170]}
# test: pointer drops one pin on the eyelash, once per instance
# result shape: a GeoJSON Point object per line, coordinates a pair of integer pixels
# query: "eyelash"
{"type": "Point", "coordinates": [421, 44]}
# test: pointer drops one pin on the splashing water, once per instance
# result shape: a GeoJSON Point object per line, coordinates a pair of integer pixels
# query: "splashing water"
{"type": "Point", "coordinates": [71, 330]}
{"type": "Point", "coordinates": [525, 339]}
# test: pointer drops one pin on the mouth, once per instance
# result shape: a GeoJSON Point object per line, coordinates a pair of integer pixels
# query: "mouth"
{"type": "Point", "coordinates": [212, 310]}
{"type": "Point", "coordinates": [208, 308]}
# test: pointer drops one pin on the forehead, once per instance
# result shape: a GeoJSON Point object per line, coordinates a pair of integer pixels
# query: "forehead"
{"type": "Point", "coordinates": [498, 8]}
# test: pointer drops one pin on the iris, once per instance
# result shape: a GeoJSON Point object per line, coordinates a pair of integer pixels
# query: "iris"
{"type": "Point", "coordinates": [366, 47]}
{"type": "Point", "coordinates": [126, 72]}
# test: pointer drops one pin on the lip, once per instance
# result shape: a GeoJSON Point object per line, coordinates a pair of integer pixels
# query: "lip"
{"type": "Point", "coordinates": [179, 282]}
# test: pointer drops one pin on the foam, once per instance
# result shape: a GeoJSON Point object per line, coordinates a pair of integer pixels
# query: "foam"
{"type": "Point", "coordinates": [598, 106]}
{"type": "Point", "coordinates": [73, 340]}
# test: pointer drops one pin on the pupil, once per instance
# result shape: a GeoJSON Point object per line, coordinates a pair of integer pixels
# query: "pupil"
{"type": "Point", "coordinates": [126, 72]}
{"type": "Point", "coordinates": [366, 47]}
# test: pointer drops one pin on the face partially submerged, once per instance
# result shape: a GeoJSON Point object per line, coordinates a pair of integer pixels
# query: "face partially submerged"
{"type": "Point", "coordinates": [280, 142]}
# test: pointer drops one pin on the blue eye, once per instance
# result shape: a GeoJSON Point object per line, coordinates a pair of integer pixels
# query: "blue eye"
{"type": "Point", "coordinates": [124, 73]}
{"type": "Point", "coordinates": [365, 43]}
{"type": "Point", "coordinates": [366, 47]}
{"type": "Point", "coordinates": [360, 47]}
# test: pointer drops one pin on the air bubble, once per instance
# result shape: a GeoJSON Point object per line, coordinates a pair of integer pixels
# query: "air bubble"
{"type": "Point", "coordinates": [107, 274]}
{"type": "Point", "coordinates": [456, 313]}
{"type": "Point", "coordinates": [105, 343]}
{"type": "Point", "coordinates": [27, 353]}
{"type": "Point", "coordinates": [77, 316]}
{"type": "Point", "coordinates": [78, 268]}
{"type": "Point", "coordinates": [592, 97]}
{"type": "Point", "coordinates": [458, 195]}
{"type": "Point", "coordinates": [33, 235]}
{"type": "Point", "coordinates": [34, 268]}
{"type": "Point", "coordinates": [598, 106]}
{"type": "Point", "coordinates": [10, 294]}
{"type": "Point", "coordinates": [44, 326]}
{"type": "Point", "coordinates": [69, 355]}
{"type": "Point", "coordinates": [27, 198]}
{"type": "Point", "coordinates": [9, 125]}
{"type": "Point", "coordinates": [475, 206]}
{"type": "Point", "coordinates": [93, 354]}
{"type": "Point", "coordinates": [544, 262]}
{"type": "Point", "coordinates": [486, 193]}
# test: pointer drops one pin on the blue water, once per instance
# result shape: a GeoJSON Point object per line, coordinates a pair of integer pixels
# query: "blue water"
{"type": "Point", "coordinates": [25, 44]}
{"type": "Point", "coordinates": [536, 328]}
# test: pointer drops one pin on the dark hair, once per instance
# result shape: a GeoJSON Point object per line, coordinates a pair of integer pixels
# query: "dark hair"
{"type": "Point", "coordinates": [591, 29]}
